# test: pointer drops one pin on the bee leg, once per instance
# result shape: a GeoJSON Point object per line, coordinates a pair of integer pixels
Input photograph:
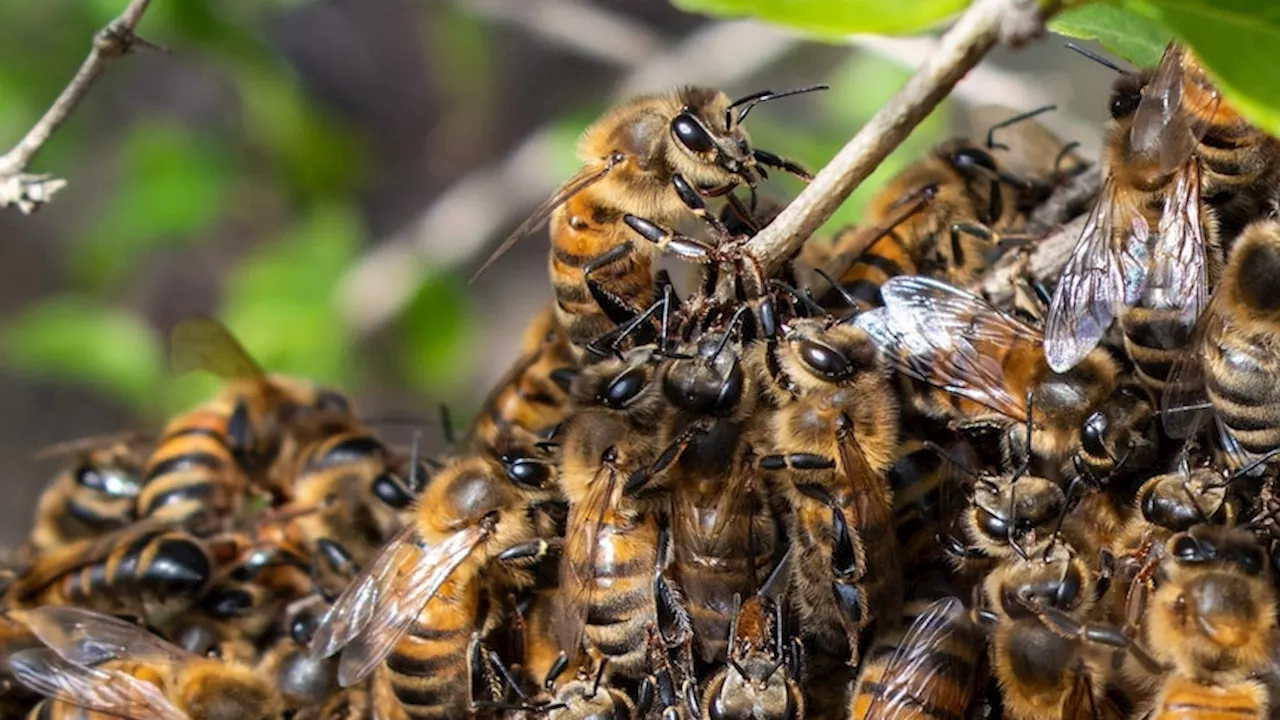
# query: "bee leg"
{"type": "Point", "coordinates": [483, 685]}
{"type": "Point", "coordinates": [617, 309]}
{"type": "Point", "coordinates": [954, 547]}
{"type": "Point", "coordinates": [505, 675]}
{"type": "Point", "coordinates": [682, 246]}
{"type": "Point", "coordinates": [639, 480]}
{"type": "Point", "coordinates": [797, 461]}
{"type": "Point", "coordinates": [764, 157]}
{"type": "Point", "coordinates": [1067, 626]}
{"type": "Point", "coordinates": [698, 207]}
{"type": "Point", "coordinates": [529, 553]}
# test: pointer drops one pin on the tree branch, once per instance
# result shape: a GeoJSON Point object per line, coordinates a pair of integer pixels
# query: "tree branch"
{"type": "Point", "coordinates": [29, 192]}
{"type": "Point", "coordinates": [985, 23]}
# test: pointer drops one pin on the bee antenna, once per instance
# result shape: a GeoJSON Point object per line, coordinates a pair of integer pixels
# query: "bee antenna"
{"type": "Point", "coordinates": [414, 455]}
{"type": "Point", "coordinates": [595, 686]}
{"type": "Point", "coordinates": [804, 299]}
{"type": "Point", "coordinates": [742, 671]}
{"type": "Point", "coordinates": [841, 290]}
{"type": "Point", "coordinates": [446, 424]}
{"type": "Point", "coordinates": [1254, 464]}
{"type": "Point", "coordinates": [1095, 57]}
{"type": "Point", "coordinates": [505, 672]}
{"type": "Point", "coordinates": [946, 455]}
{"type": "Point", "coordinates": [991, 131]}
{"type": "Point", "coordinates": [749, 101]}
{"type": "Point", "coordinates": [1181, 409]}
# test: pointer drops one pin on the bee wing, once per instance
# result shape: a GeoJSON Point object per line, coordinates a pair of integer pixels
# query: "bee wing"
{"type": "Point", "coordinates": [375, 611]}
{"type": "Point", "coordinates": [1164, 128]}
{"type": "Point", "coordinates": [1183, 402]}
{"type": "Point", "coordinates": [1177, 279]}
{"type": "Point", "coordinates": [943, 336]}
{"type": "Point", "coordinates": [88, 638]}
{"type": "Point", "coordinates": [202, 343]}
{"type": "Point", "coordinates": [913, 677]}
{"type": "Point", "coordinates": [107, 691]}
{"type": "Point", "coordinates": [875, 507]}
{"type": "Point", "coordinates": [1100, 277]}
{"type": "Point", "coordinates": [585, 178]}
{"type": "Point", "coordinates": [582, 540]}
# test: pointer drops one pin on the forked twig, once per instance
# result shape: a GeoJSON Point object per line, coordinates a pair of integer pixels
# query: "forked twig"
{"type": "Point", "coordinates": [28, 192]}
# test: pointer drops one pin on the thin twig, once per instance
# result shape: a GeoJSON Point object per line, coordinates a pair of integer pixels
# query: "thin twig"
{"type": "Point", "coordinates": [27, 191]}
{"type": "Point", "coordinates": [462, 221]}
{"type": "Point", "coordinates": [985, 23]}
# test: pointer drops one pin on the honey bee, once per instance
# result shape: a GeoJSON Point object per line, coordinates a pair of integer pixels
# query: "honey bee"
{"type": "Point", "coordinates": [652, 158]}
{"type": "Point", "coordinates": [990, 371]}
{"type": "Point", "coordinates": [928, 672]}
{"type": "Point", "coordinates": [929, 487]}
{"type": "Point", "coordinates": [761, 676]}
{"type": "Point", "coordinates": [144, 567]}
{"type": "Point", "coordinates": [347, 488]}
{"type": "Point", "coordinates": [830, 443]}
{"type": "Point", "coordinates": [1231, 360]}
{"type": "Point", "coordinates": [94, 496]}
{"type": "Point", "coordinates": [943, 215]}
{"type": "Point", "coordinates": [1044, 672]}
{"type": "Point", "coordinates": [207, 459]}
{"type": "Point", "coordinates": [1211, 620]}
{"type": "Point", "coordinates": [101, 664]}
{"type": "Point", "coordinates": [419, 607]}
{"type": "Point", "coordinates": [532, 397]}
{"type": "Point", "coordinates": [1150, 248]}
{"type": "Point", "coordinates": [611, 583]}
{"type": "Point", "coordinates": [723, 532]}
{"type": "Point", "coordinates": [1012, 516]}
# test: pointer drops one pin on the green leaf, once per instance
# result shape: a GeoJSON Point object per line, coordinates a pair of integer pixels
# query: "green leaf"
{"type": "Point", "coordinates": [834, 18]}
{"type": "Point", "coordinates": [1238, 41]}
{"type": "Point", "coordinates": [76, 339]}
{"type": "Point", "coordinates": [1133, 36]}
{"type": "Point", "coordinates": [435, 332]}
{"type": "Point", "coordinates": [280, 300]}
{"type": "Point", "coordinates": [173, 187]}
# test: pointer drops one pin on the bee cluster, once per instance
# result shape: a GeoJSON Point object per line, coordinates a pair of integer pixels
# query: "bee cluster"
{"type": "Point", "coordinates": [853, 487]}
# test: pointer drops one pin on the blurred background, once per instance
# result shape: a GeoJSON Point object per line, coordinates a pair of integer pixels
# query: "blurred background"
{"type": "Point", "coordinates": [324, 176]}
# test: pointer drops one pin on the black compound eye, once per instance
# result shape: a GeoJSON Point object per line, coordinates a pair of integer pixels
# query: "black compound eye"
{"type": "Point", "coordinates": [970, 158]}
{"type": "Point", "coordinates": [624, 388]}
{"type": "Point", "coordinates": [992, 525]}
{"type": "Point", "coordinates": [1251, 560]}
{"type": "Point", "coordinates": [303, 627]}
{"type": "Point", "coordinates": [332, 401]}
{"type": "Point", "coordinates": [1091, 433]}
{"type": "Point", "coordinates": [1124, 102]}
{"type": "Point", "coordinates": [691, 134]}
{"type": "Point", "coordinates": [825, 361]}
{"type": "Point", "coordinates": [527, 472]}
{"type": "Point", "coordinates": [1185, 548]}
{"type": "Point", "coordinates": [388, 488]}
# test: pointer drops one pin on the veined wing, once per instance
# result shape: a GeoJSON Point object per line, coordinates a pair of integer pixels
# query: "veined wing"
{"type": "Point", "coordinates": [106, 691]}
{"type": "Point", "coordinates": [202, 343]}
{"type": "Point", "coordinates": [87, 638]}
{"type": "Point", "coordinates": [916, 674]}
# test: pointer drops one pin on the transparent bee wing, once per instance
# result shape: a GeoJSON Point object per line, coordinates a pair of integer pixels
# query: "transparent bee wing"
{"type": "Point", "coordinates": [582, 540]}
{"type": "Point", "coordinates": [88, 638]}
{"type": "Point", "coordinates": [1103, 274]}
{"type": "Point", "coordinates": [1169, 121]}
{"type": "Point", "coordinates": [936, 333]}
{"type": "Point", "coordinates": [202, 343]}
{"type": "Point", "coordinates": [376, 610]}
{"type": "Point", "coordinates": [913, 677]}
{"type": "Point", "coordinates": [585, 178]}
{"type": "Point", "coordinates": [1183, 405]}
{"type": "Point", "coordinates": [101, 690]}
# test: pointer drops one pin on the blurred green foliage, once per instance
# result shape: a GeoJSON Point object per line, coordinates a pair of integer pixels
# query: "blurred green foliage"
{"type": "Point", "coordinates": [825, 18]}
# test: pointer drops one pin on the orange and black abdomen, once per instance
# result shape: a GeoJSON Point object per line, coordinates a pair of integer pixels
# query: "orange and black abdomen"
{"type": "Point", "coordinates": [584, 228]}
{"type": "Point", "coordinates": [429, 668]}
{"type": "Point", "coordinates": [888, 257]}
{"type": "Point", "coordinates": [1238, 164]}
{"type": "Point", "coordinates": [621, 605]}
{"type": "Point", "coordinates": [192, 462]}
{"type": "Point", "coordinates": [155, 564]}
{"type": "Point", "coordinates": [942, 676]}
{"type": "Point", "coordinates": [530, 400]}
{"type": "Point", "coordinates": [1181, 698]}
{"type": "Point", "coordinates": [1154, 339]}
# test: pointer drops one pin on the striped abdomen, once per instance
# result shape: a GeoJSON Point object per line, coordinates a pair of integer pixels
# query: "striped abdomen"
{"type": "Point", "coordinates": [724, 542]}
{"type": "Point", "coordinates": [154, 564]}
{"type": "Point", "coordinates": [887, 257]}
{"type": "Point", "coordinates": [582, 230]}
{"type": "Point", "coordinates": [429, 669]}
{"type": "Point", "coordinates": [1154, 338]}
{"type": "Point", "coordinates": [192, 466]}
{"type": "Point", "coordinates": [934, 666]}
{"type": "Point", "coordinates": [621, 606]}
{"type": "Point", "coordinates": [1245, 392]}
{"type": "Point", "coordinates": [530, 400]}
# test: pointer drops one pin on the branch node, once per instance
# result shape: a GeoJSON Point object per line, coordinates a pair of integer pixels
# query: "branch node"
{"type": "Point", "coordinates": [29, 192]}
